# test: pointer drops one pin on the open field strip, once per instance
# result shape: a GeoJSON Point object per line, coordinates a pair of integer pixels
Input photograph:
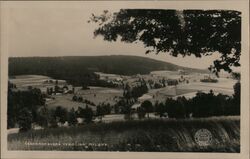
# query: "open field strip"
{"type": "Point", "coordinates": [141, 135]}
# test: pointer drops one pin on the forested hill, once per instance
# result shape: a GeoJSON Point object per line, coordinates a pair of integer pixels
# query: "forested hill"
{"type": "Point", "coordinates": [116, 64]}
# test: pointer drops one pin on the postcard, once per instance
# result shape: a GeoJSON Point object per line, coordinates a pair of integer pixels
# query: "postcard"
{"type": "Point", "coordinates": [125, 79]}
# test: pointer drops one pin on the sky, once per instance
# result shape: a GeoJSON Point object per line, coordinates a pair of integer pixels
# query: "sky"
{"type": "Point", "coordinates": [61, 29]}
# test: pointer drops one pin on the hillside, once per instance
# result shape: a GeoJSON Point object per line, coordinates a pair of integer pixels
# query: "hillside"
{"type": "Point", "coordinates": [116, 64]}
{"type": "Point", "coordinates": [76, 69]}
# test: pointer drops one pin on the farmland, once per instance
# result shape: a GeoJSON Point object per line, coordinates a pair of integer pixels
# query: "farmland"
{"type": "Point", "coordinates": [96, 94]}
{"type": "Point", "coordinates": [99, 95]}
{"type": "Point", "coordinates": [22, 82]}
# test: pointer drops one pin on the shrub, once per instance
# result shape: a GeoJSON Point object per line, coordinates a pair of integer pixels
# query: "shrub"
{"type": "Point", "coordinates": [175, 108]}
{"type": "Point", "coordinates": [72, 117]}
{"type": "Point", "coordinates": [209, 80]}
{"type": "Point", "coordinates": [25, 120]}
{"type": "Point", "coordinates": [43, 116]}
{"type": "Point", "coordinates": [147, 106]}
{"type": "Point", "coordinates": [86, 113]}
{"type": "Point", "coordinates": [61, 114]}
{"type": "Point", "coordinates": [141, 112]}
{"type": "Point", "coordinates": [160, 109]}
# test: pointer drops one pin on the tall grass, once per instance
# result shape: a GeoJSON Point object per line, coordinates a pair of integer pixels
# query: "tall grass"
{"type": "Point", "coordinates": [143, 135]}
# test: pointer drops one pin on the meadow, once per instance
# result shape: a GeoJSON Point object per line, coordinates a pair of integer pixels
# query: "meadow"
{"type": "Point", "coordinates": [22, 82]}
{"type": "Point", "coordinates": [158, 135]}
{"type": "Point", "coordinates": [97, 95]}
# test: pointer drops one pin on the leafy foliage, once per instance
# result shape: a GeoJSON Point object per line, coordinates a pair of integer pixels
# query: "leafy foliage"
{"type": "Point", "coordinates": [61, 114]}
{"type": "Point", "coordinates": [72, 117]}
{"type": "Point", "coordinates": [147, 106]}
{"type": "Point", "coordinates": [186, 32]}
{"type": "Point", "coordinates": [43, 116]}
{"type": "Point", "coordinates": [202, 105]}
{"type": "Point", "coordinates": [25, 119]}
{"type": "Point", "coordinates": [135, 91]}
{"type": "Point", "coordinates": [86, 113]}
{"type": "Point", "coordinates": [160, 109]}
{"type": "Point", "coordinates": [236, 75]}
{"type": "Point", "coordinates": [32, 99]}
{"type": "Point", "coordinates": [176, 108]}
{"type": "Point", "coordinates": [141, 112]}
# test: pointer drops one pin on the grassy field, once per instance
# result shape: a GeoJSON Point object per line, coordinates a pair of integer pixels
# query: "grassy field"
{"type": "Point", "coordinates": [96, 95]}
{"type": "Point", "coordinates": [65, 101]}
{"type": "Point", "coordinates": [144, 135]}
{"type": "Point", "coordinates": [101, 94]}
{"type": "Point", "coordinates": [37, 81]}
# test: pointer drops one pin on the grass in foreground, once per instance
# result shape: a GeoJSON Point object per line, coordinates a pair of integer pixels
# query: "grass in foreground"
{"type": "Point", "coordinates": [145, 135]}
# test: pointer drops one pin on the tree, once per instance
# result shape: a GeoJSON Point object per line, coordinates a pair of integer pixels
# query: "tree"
{"type": "Point", "coordinates": [209, 104]}
{"type": "Point", "coordinates": [31, 99]}
{"type": "Point", "coordinates": [147, 106]}
{"type": "Point", "coordinates": [74, 98]}
{"type": "Point", "coordinates": [99, 111]}
{"type": "Point", "coordinates": [163, 82]}
{"type": "Point", "coordinates": [139, 90]}
{"type": "Point", "coordinates": [160, 109]}
{"type": "Point", "coordinates": [127, 91]}
{"type": "Point", "coordinates": [185, 32]}
{"type": "Point", "coordinates": [80, 99]}
{"type": "Point", "coordinates": [49, 91]}
{"type": "Point", "coordinates": [126, 109]}
{"type": "Point", "coordinates": [43, 116]}
{"type": "Point", "coordinates": [180, 107]}
{"type": "Point", "coordinates": [13, 107]}
{"type": "Point", "coordinates": [235, 104]}
{"type": "Point", "coordinates": [57, 89]}
{"type": "Point", "coordinates": [175, 108]}
{"type": "Point", "coordinates": [107, 108]}
{"type": "Point", "coordinates": [141, 112]}
{"type": "Point", "coordinates": [88, 114]}
{"type": "Point", "coordinates": [237, 90]}
{"type": "Point", "coordinates": [52, 119]}
{"type": "Point", "coordinates": [25, 120]}
{"type": "Point", "coordinates": [84, 86]}
{"type": "Point", "coordinates": [236, 75]}
{"type": "Point", "coordinates": [61, 113]}
{"type": "Point", "coordinates": [72, 117]}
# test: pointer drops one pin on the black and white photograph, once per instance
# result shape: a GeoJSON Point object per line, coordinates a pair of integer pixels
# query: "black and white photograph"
{"type": "Point", "coordinates": [89, 76]}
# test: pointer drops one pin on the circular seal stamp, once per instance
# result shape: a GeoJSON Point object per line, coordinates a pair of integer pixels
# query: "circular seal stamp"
{"type": "Point", "coordinates": [203, 137]}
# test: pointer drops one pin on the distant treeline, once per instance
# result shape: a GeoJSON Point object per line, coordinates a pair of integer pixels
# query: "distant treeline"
{"type": "Point", "coordinates": [82, 68]}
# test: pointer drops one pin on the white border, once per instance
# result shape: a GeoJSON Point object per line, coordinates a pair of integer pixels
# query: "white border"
{"type": "Point", "coordinates": [242, 6]}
